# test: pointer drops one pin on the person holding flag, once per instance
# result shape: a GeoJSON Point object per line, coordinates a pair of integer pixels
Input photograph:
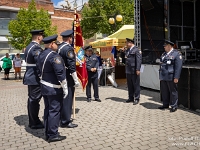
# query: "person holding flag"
{"type": "Point", "coordinates": [66, 51]}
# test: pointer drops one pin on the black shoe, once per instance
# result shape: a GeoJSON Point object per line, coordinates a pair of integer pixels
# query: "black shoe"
{"type": "Point", "coordinates": [88, 99]}
{"type": "Point", "coordinates": [46, 138]}
{"type": "Point", "coordinates": [135, 102]}
{"type": "Point", "coordinates": [173, 109]}
{"type": "Point", "coordinates": [129, 100]}
{"type": "Point", "coordinates": [59, 138]}
{"type": "Point", "coordinates": [38, 126]}
{"type": "Point", "coordinates": [8, 78]}
{"type": "Point", "coordinates": [69, 125]}
{"type": "Point", "coordinates": [97, 99]}
{"type": "Point", "coordinates": [163, 107]}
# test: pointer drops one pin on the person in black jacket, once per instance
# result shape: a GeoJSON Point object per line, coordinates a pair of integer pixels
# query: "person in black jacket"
{"type": "Point", "coordinates": [92, 64]}
{"type": "Point", "coordinates": [133, 64]}
{"type": "Point", "coordinates": [170, 70]}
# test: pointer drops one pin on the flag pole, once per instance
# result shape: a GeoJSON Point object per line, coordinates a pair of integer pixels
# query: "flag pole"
{"type": "Point", "coordinates": [74, 102]}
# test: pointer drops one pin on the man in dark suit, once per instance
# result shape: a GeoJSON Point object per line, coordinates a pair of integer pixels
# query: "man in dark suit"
{"type": "Point", "coordinates": [169, 74]}
{"type": "Point", "coordinates": [31, 79]}
{"type": "Point", "coordinates": [92, 64]}
{"type": "Point", "coordinates": [133, 64]}
{"type": "Point", "coordinates": [66, 51]}
{"type": "Point", "coordinates": [53, 86]}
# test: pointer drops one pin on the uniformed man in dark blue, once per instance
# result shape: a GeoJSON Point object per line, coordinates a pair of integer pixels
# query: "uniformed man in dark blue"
{"type": "Point", "coordinates": [32, 80]}
{"type": "Point", "coordinates": [169, 74]}
{"type": "Point", "coordinates": [92, 64]}
{"type": "Point", "coordinates": [66, 51]}
{"type": "Point", "coordinates": [53, 86]}
{"type": "Point", "coordinates": [133, 64]}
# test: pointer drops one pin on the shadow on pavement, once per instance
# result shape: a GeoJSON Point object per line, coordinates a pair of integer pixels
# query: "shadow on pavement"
{"type": "Point", "coordinates": [148, 105]}
{"type": "Point", "coordinates": [117, 99]}
{"type": "Point", "coordinates": [22, 120]}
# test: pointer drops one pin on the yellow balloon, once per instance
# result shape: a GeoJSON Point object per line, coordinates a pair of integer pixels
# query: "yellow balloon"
{"type": "Point", "coordinates": [111, 20]}
{"type": "Point", "coordinates": [119, 18]}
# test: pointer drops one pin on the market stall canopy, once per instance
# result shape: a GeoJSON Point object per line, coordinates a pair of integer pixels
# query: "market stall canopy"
{"type": "Point", "coordinates": [116, 39]}
{"type": "Point", "coordinates": [126, 31]}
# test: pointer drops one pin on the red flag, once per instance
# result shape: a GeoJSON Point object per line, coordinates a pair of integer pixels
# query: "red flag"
{"type": "Point", "coordinates": [80, 58]}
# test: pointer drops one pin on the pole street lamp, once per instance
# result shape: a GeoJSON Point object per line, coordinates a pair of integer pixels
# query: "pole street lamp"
{"type": "Point", "coordinates": [113, 20]}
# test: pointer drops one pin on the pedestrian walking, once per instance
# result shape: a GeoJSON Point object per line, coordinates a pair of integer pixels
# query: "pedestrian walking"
{"type": "Point", "coordinates": [7, 65]}
{"type": "Point", "coordinates": [17, 64]}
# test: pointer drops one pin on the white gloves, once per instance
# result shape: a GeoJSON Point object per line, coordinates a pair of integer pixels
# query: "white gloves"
{"type": "Point", "coordinates": [65, 88]}
{"type": "Point", "coordinates": [74, 76]}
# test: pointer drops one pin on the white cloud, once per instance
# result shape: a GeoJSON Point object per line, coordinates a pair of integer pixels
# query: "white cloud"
{"type": "Point", "coordinates": [63, 2]}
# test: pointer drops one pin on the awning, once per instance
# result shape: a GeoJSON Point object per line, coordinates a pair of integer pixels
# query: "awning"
{"type": "Point", "coordinates": [126, 31]}
{"type": "Point", "coordinates": [116, 39]}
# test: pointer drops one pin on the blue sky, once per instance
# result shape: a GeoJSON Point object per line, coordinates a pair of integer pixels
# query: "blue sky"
{"type": "Point", "coordinates": [57, 3]}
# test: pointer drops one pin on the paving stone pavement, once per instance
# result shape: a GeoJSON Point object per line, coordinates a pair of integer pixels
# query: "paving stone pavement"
{"type": "Point", "coordinates": [111, 124]}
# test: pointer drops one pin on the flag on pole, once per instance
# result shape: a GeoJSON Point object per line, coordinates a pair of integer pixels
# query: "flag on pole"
{"type": "Point", "coordinates": [80, 59]}
{"type": "Point", "coordinates": [113, 52]}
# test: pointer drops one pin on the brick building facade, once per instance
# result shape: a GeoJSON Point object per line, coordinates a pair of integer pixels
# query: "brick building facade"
{"type": "Point", "coordinates": [8, 10]}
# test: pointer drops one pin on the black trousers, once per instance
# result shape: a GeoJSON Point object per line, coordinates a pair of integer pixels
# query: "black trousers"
{"type": "Point", "coordinates": [53, 104]}
{"type": "Point", "coordinates": [94, 82]}
{"type": "Point", "coordinates": [34, 94]}
{"type": "Point", "coordinates": [66, 110]}
{"type": "Point", "coordinates": [169, 93]}
{"type": "Point", "coordinates": [133, 82]}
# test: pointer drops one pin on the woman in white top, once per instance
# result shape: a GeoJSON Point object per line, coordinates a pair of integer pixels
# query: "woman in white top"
{"type": "Point", "coordinates": [17, 64]}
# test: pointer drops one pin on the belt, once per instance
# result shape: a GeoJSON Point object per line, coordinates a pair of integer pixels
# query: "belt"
{"type": "Point", "coordinates": [50, 84]}
{"type": "Point", "coordinates": [31, 65]}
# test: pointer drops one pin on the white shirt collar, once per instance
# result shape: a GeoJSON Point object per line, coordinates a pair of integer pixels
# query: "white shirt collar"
{"type": "Point", "coordinates": [35, 42]}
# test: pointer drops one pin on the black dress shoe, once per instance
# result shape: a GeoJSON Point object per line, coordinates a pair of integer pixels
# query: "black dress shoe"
{"type": "Point", "coordinates": [46, 138]}
{"type": "Point", "coordinates": [69, 125]}
{"type": "Point", "coordinates": [59, 138]}
{"type": "Point", "coordinates": [135, 102]}
{"type": "Point", "coordinates": [163, 107]}
{"type": "Point", "coordinates": [173, 109]}
{"type": "Point", "coordinates": [88, 99]}
{"type": "Point", "coordinates": [97, 99]}
{"type": "Point", "coordinates": [38, 126]}
{"type": "Point", "coordinates": [129, 100]}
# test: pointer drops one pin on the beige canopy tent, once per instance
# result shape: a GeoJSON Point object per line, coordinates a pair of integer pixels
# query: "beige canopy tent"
{"type": "Point", "coordinates": [116, 39]}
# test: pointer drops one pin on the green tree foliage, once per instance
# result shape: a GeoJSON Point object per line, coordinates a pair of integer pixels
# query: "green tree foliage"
{"type": "Point", "coordinates": [96, 14]}
{"type": "Point", "coordinates": [27, 20]}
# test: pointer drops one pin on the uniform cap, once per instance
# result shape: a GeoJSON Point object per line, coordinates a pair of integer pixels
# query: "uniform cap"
{"type": "Point", "coordinates": [130, 40]}
{"type": "Point", "coordinates": [37, 32]}
{"type": "Point", "coordinates": [67, 33]}
{"type": "Point", "coordinates": [88, 48]}
{"type": "Point", "coordinates": [50, 39]}
{"type": "Point", "coordinates": [168, 42]}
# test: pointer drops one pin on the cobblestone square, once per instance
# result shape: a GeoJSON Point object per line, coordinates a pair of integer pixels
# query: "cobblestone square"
{"type": "Point", "coordinates": [111, 124]}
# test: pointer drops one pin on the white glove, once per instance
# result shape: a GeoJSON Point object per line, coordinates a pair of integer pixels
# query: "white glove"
{"type": "Point", "coordinates": [74, 76]}
{"type": "Point", "coordinates": [65, 88]}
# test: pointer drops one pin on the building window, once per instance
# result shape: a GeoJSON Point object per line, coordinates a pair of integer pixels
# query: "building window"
{"type": "Point", "coordinates": [4, 45]}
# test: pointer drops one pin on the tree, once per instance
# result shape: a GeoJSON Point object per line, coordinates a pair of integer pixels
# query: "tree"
{"type": "Point", "coordinates": [27, 20]}
{"type": "Point", "coordinates": [96, 14]}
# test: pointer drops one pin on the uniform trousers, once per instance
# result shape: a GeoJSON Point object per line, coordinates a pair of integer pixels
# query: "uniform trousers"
{"type": "Point", "coordinates": [34, 94]}
{"type": "Point", "coordinates": [53, 104]}
{"type": "Point", "coordinates": [66, 110]}
{"type": "Point", "coordinates": [94, 82]}
{"type": "Point", "coordinates": [133, 82]}
{"type": "Point", "coordinates": [169, 93]}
